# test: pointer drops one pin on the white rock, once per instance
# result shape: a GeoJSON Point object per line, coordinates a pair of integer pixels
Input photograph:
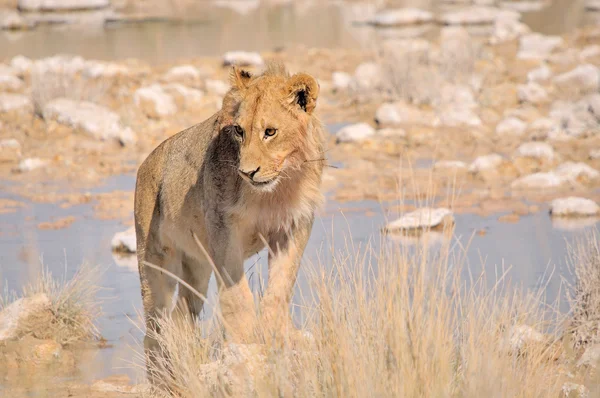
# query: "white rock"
{"type": "Point", "coordinates": [593, 5]}
{"type": "Point", "coordinates": [11, 83]}
{"type": "Point", "coordinates": [538, 181]}
{"type": "Point", "coordinates": [30, 164]}
{"type": "Point", "coordinates": [521, 335]}
{"type": "Point", "coordinates": [506, 29]}
{"type": "Point", "coordinates": [95, 69]}
{"type": "Point", "coordinates": [538, 46]}
{"type": "Point", "coordinates": [589, 52]}
{"type": "Point", "coordinates": [61, 5]}
{"type": "Point", "coordinates": [12, 20]}
{"type": "Point", "coordinates": [91, 119]}
{"type": "Point", "coordinates": [595, 154]}
{"type": "Point", "coordinates": [511, 126]}
{"type": "Point", "coordinates": [21, 64]}
{"type": "Point", "coordinates": [536, 150]}
{"type": "Point", "coordinates": [457, 116]}
{"type": "Point", "coordinates": [391, 114]}
{"type": "Point", "coordinates": [477, 16]}
{"type": "Point", "coordinates": [541, 74]}
{"type": "Point", "coordinates": [584, 78]}
{"type": "Point", "coordinates": [532, 93]}
{"type": "Point", "coordinates": [185, 73]}
{"type": "Point", "coordinates": [242, 58]}
{"type": "Point", "coordinates": [341, 80]}
{"type": "Point", "coordinates": [355, 133]}
{"type": "Point", "coordinates": [575, 171]}
{"type": "Point", "coordinates": [10, 150]}
{"type": "Point", "coordinates": [576, 119]}
{"type": "Point", "coordinates": [401, 16]}
{"type": "Point", "coordinates": [154, 101]}
{"type": "Point", "coordinates": [217, 87]}
{"type": "Point", "coordinates": [574, 390]}
{"type": "Point", "coordinates": [574, 207]}
{"type": "Point", "coordinates": [15, 102]}
{"type": "Point", "coordinates": [367, 76]}
{"type": "Point", "coordinates": [61, 63]}
{"type": "Point", "coordinates": [450, 165]}
{"type": "Point", "coordinates": [423, 218]}
{"type": "Point", "coordinates": [391, 132]}
{"type": "Point", "coordinates": [540, 127]}
{"type": "Point", "coordinates": [590, 357]}
{"type": "Point", "coordinates": [124, 241]}
{"type": "Point", "coordinates": [486, 163]}
{"type": "Point", "coordinates": [19, 313]}
{"type": "Point", "coordinates": [185, 97]}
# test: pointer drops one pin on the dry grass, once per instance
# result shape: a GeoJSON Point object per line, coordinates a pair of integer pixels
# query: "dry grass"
{"type": "Point", "coordinates": [402, 323]}
{"type": "Point", "coordinates": [73, 310]}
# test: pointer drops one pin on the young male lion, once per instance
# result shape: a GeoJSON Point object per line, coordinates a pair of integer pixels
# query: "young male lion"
{"type": "Point", "coordinates": [248, 175]}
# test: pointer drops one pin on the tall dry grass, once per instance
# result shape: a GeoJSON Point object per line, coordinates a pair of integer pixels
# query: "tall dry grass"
{"type": "Point", "coordinates": [399, 322]}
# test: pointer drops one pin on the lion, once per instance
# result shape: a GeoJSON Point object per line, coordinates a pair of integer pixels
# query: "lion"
{"type": "Point", "coordinates": [220, 191]}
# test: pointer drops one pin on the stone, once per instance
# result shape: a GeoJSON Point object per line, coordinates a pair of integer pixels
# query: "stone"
{"type": "Point", "coordinates": [536, 150]}
{"type": "Point", "coordinates": [391, 132]}
{"type": "Point", "coordinates": [341, 80]}
{"type": "Point", "coordinates": [94, 120]}
{"type": "Point", "coordinates": [182, 73]}
{"type": "Point", "coordinates": [539, 128]}
{"type": "Point", "coordinates": [355, 133]}
{"type": "Point", "coordinates": [538, 181]}
{"type": "Point", "coordinates": [574, 207]}
{"type": "Point", "coordinates": [583, 79]}
{"type": "Point", "coordinates": [124, 242]}
{"type": "Point", "coordinates": [11, 83]}
{"type": "Point", "coordinates": [590, 357]}
{"type": "Point", "coordinates": [12, 20]}
{"type": "Point", "coordinates": [217, 87]}
{"type": "Point", "coordinates": [367, 76]}
{"type": "Point", "coordinates": [59, 64]}
{"type": "Point", "coordinates": [15, 318]}
{"type": "Point", "coordinates": [15, 103]}
{"type": "Point", "coordinates": [154, 101]}
{"type": "Point", "coordinates": [595, 154]}
{"type": "Point", "coordinates": [486, 163]}
{"type": "Point", "coordinates": [592, 5]}
{"type": "Point", "coordinates": [30, 164]}
{"type": "Point", "coordinates": [477, 15]}
{"type": "Point", "coordinates": [401, 17]}
{"type": "Point", "coordinates": [61, 5]}
{"type": "Point", "coordinates": [577, 171]}
{"type": "Point", "coordinates": [421, 219]}
{"type": "Point", "coordinates": [242, 58]}
{"type": "Point", "coordinates": [21, 64]}
{"type": "Point", "coordinates": [457, 106]}
{"type": "Point", "coordinates": [397, 113]}
{"type": "Point", "coordinates": [511, 126]}
{"type": "Point", "coordinates": [95, 69]}
{"type": "Point", "coordinates": [10, 150]}
{"type": "Point", "coordinates": [538, 46]}
{"type": "Point", "coordinates": [532, 93]}
{"type": "Point", "coordinates": [576, 119]}
{"type": "Point", "coordinates": [589, 52]}
{"type": "Point", "coordinates": [185, 97]}
{"type": "Point", "coordinates": [520, 336]}
{"type": "Point", "coordinates": [507, 29]}
{"type": "Point", "coordinates": [115, 384]}
{"type": "Point", "coordinates": [450, 165]}
{"type": "Point", "coordinates": [540, 74]}
{"type": "Point", "coordinates": [574, 390]}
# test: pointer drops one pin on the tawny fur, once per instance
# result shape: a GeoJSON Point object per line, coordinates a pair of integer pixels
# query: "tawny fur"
{"type": "Point", "coordinates": [203, 182]}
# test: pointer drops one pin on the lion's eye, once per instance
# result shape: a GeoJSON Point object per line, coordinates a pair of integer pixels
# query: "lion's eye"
{"type": "Point", "coordinates": [239, 131]}
{"type": "Point", "coordinates": [270, 132]}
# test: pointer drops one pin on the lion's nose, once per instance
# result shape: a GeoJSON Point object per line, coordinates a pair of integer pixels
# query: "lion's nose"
{"type": "Point", "coordinates": [250, 173]}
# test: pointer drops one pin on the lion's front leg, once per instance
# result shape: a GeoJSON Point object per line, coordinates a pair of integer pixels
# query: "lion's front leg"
{"type": "Point", "coordinates": [285, 252]}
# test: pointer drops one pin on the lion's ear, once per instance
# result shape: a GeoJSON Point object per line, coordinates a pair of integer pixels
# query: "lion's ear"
{"type": "Point", "coordinates": [303, 90]}
{"type": "Point", "coordinates": [239, 78]}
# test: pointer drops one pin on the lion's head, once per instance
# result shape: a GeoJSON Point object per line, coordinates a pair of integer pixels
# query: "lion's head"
{"type": "Point", "coordinates": [272, 118]}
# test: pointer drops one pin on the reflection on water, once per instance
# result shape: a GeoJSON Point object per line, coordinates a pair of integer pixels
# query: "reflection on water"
{"type": "Point", "coordinates": [242, 25]}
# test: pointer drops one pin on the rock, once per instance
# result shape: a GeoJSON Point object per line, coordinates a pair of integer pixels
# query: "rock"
{"type": "Point", "coordinates": [10, 150]}
{"type": "Point", "coordinates": [520, 336]}
{"type": "Point", "coordinates": [217, 87]}
{"type": "Point", "coordinates": [355, 133]}
{"type": "Point", "coordinates": [583, 79]}
{"type": "Point", "coordinates": [541, 74]}
{"type": "Point", "coordinates": [124, 242]}
{"type": "Point", "coordinates": [450, 165]}
{"type": "Point", "coordinates": [94, 70]}
{"type": "Point", "coordinates": [576, 119]}
{"type": "Point", "coordinates": [17, 317]}
{"type": "Point", "coordinates": [22, 65]}
{"type": "Point", "coordinates": [595, 154]}
{"type": "Point", "coordinates": [30, 164]}
{"type": "Point", "coordinates": [457, 106]}
{"type": "Point", "coordinates": [59, 64]}
{"type": "Point", "coordinates": [486, 163]}
{"type": "Point", "coordinates": [341, 80]}
{"type": "Point", "coordinates": [15, 103]}
{"type": "Point", "coordinates": [61, 5]}
{"type": "Point", "coordinates": [154, 101]}
{"type": "Point", "coordinates": [532, 93]}
{"type": "Point", "coordinates": [574, 207]}
{"type": "Point", "coordinates": [536, 150]}
{"type": "Point", "coordinates": [511, 126]}
{"type": "Point", "coordinates": [397, 113]}
{"type": "Point", "coordinates": [12, 20]}
{"type": "Point", "coordinates": [91, 119]}
{"type": "Point", "coordinates": [507, 29]}
{"type": "Point", "coordinates": [579, 172]}
{"type": "Point", "coordinates": [182, 73]}
{"type": "Point", "coordinates": [185, 97]}
{"type": "Point", "coordinates": [115, 384]}
{"type": "Point", "coordinates": [367, 76]}
{"type": "Point", "coordinates": [590, 357]}
{"type": "Point", "coordinates": [539, 128]}
{"type": "Point", "coordinates": [401, 17]}
{"type": "Point", "coordinates": [573, 390]}
{"type": "Point", "coordinates": [538, 181]}
{"type": "Point", "coordinates": [10, 83]}
{"type": "Point", "coordinates": [592, 5]}
{"type": "Point", "coordinates": [589, 52]}
{"type": "Point", "coordinates": [538, 46]}
{"type": "Point", "coordinates": [242, 58]}
{"type": "Point", "coordinates": [420, 219]}
{"type": "Point", "coordinates": [477, 16]}
{"type": "Point", "coordinates": [391, 133]}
